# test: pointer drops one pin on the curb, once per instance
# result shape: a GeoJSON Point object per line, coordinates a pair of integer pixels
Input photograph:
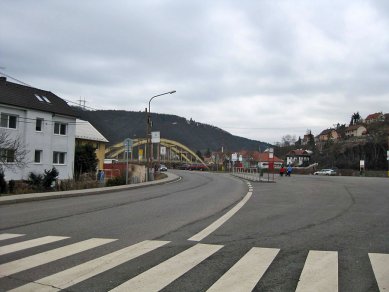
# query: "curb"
{"type": "Point", "coordinates": [12, 199]}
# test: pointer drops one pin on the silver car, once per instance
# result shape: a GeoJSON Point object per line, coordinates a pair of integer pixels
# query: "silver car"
{"type": "Point", "coordinates": [325, 172]}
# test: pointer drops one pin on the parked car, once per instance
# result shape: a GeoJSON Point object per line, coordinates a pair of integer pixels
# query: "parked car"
{"type": "Point", "coordinates": [197, 167]}
{"type": "Point", "coordinates": [162, 167]}
{"type": "Point", "coordinates": [325, 172]}
{"type": "Point", "coordinates": [184, 166]}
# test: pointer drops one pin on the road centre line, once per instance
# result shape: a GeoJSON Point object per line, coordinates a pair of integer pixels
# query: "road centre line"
{"type": "Point", "coordinates": [219, 222]}
{"type": "Point", "coordinates": [245, 274]}
{"type": "Point", "coordinates": [166, 272]}
{"type": "Point", "coordinates": [77, 274]}
{"type": "Point", "coordinates": [380, 264]}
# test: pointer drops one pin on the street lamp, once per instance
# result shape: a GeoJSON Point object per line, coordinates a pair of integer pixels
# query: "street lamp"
{"type": "Point", "coordinates": [148, 137]}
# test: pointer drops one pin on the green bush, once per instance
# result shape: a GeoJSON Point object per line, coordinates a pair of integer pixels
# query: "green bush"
{"type": "Point", "coordinates": [117, 181]}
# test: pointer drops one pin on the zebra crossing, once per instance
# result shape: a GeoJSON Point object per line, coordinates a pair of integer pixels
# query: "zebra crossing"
{"type": "Point", "coordinates": [320, 271]}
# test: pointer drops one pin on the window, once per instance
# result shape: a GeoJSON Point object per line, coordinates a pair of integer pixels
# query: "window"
{"type": "Point", "coordinates": [59, 129]}
{"type": "Point", "coordinates": [39, 125]}
{"type": "Point", "coordinates": [7, 155]}
{"type": "Point", "coordinates": [8, 121]}
{"type": "Point", "coordinates": [59, 157]}
{"type": "Point", "coordinates": [38, 156]}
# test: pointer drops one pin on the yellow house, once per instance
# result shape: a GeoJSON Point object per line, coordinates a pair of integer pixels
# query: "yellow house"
{"type": "Point", "coordinates": [87, 134]}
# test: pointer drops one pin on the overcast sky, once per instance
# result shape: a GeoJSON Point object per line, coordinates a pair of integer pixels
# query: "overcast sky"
{"type": "Point", "coordinates": [257, 69]}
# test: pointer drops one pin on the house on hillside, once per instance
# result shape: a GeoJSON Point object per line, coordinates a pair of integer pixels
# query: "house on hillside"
{"type": "Point", "coordinates": [376, 117]}
{"type": "Point", "coordinates": [45, 126]}
{"type": "Point", "coordinates": [328, 134]}
{"type": "Point", "coordinates": [87, 134]}
{"type": "Point", "coordinates": [298, 157]}
{"type": "Point", "coordinates": [355, 131]}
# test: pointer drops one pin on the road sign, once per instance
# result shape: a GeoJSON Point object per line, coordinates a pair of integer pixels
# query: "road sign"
{"type": "Point", "coordinates": [127, 142]}
{"type": "Point", "coordinates": [155, 137]}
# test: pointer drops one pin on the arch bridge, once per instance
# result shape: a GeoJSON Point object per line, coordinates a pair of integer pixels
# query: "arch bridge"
{"type": "Point", "coordinates": [174, 152]}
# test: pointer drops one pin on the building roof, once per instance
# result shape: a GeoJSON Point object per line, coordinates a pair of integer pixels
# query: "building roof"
{"type": "Point", "coordinates": [299, 152]}
{"type": "Point", "coordinates": [374, 116]}
{"type": "Point", "coordinates": [259, 156]}
{"type": "Point", "coordinates": [32, 98]}
{"type": "Point", "coordinates": [354, 127]}
{"type": "Point", "coordinates": [85, 130]}
{"type": "Point", "coordinates": [327, 131]}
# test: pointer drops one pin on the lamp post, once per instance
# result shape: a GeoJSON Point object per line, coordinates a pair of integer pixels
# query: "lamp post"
{"type": "Point", "coordinates": [148, 136]}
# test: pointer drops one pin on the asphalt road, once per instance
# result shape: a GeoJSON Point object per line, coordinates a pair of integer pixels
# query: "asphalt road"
{"type": "Point", "coordinates": [279, 232]}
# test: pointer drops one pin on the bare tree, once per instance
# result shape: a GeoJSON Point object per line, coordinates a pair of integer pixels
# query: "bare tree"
{"type": "Point", "coordinates": [288, 140]}
{"type": "Point", "coordinates": [12, 152]}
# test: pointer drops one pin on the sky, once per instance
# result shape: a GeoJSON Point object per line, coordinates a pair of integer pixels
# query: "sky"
{"type": "Point", "coordinates": [257, 69]}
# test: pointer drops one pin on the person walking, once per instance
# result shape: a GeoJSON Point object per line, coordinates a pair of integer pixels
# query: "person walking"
{"type": "Point", "coordinates": [289, 170]}
{"type": "Point", "coordinates": [282, 170]}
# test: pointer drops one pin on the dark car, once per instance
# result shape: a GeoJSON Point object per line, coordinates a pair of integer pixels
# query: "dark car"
{"type": "Point", "coordinates": [184, 166]}
{"type": "Point", "coordinates": [196, 166]}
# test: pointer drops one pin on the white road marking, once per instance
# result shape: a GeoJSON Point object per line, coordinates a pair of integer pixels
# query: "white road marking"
{"type": "Point", "coordinates": [219, 222]}
{"type": "Point", "coordinates": [50, 256]}
{"type": "Point", "coordinates": [5, 236]}
{"type": "Point", "coordinates": [380, 264]}
{"type": "Point", "coordinates": [163, 274]}
{"type": "Point", "coordinates": [29, 244]}
{"type": "Point", "coordinates": [246, 273]}
{"type": "Point", "coordinates": [77, 274]}
{"type": "Point", "coordinates": [320, 272]}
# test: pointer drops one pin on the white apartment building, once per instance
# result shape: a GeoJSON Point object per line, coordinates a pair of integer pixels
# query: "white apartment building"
{"type": "Point", "coordinates": [43, 123]}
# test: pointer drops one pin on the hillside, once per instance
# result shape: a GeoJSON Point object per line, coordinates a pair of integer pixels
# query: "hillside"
{"type": "Point", "coordinates": [116, 125]}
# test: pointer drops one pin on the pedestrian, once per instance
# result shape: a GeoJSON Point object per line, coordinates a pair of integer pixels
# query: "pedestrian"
{"type": "Point", "coordinates": [289, 170]}
{"type": "Point", "coordinates": [282, 170]}
{"type": "Point", "coordinates": [102, 176]}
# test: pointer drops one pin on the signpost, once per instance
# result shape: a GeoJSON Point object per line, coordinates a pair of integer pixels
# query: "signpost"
{"type": "Point", "coordinates": [127, 146]}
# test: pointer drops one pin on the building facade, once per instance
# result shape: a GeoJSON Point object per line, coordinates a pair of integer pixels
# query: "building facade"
{"type": "Point", "coordinates": [43, 123]}
{"type": "Point", "coordinates": [87, 134]}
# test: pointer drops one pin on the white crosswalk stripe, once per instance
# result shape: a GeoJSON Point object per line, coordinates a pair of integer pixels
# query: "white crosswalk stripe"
{"type": "Point", "coordinates": [245, 274]}
{"type": "Point", "coordinates": [320, 272]}
{"type": "Point", "coordinates": [89, 269]}
{"type": "Point", "coordinates": [5, 236]}
{"type": "Point", "coordinates": [163, 274]}
{"type": "Point", "coordinates": [50, 256]}
{"type": "Point", "coordinates": [29, 244]}
{"type": "Point", "coordinates": [380, 264]}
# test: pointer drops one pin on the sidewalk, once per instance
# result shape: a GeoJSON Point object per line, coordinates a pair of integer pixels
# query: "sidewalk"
{"type": "Point", "coordinates": [11, 199]}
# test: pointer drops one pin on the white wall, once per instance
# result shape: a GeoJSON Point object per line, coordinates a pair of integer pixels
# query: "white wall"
{"type": "Point", "coordinates": [45, 141]}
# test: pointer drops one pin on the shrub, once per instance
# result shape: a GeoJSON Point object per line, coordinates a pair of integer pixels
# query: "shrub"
{"type": "Point", "coordinates": [117, 181]}
{"type": "Point", "coordinates": [3, 184]}
{"type": "Point", "coordinates": [49, 177]}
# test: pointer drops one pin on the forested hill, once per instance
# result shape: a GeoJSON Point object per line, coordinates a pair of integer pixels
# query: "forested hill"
{"type": "Point", "coordinates": [116, 125]}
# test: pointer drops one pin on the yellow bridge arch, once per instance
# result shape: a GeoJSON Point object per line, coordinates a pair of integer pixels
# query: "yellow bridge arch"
{"type": "Point", "coordinates": [175, 152]}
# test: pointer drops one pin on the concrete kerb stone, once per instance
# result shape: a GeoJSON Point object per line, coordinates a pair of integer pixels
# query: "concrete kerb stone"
{"type": "Point", "coordinates": [12, 199]}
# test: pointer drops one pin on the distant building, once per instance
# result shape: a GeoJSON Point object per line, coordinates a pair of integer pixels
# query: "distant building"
{"type": "Point", "coordinates": [259, 159]}
{"type": "Point", "coordinates": [328, 134]}
{"type": "Point", "coordinates": [87, 134]}
{"type": "Point", "coordinates": [44, 123]}
{"type": "Point", "coordinates": [355, 131]}
{"type": "Point", "coordinates": [376, 117]}
{"type": "Point", "coordinates": [298, 157]}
